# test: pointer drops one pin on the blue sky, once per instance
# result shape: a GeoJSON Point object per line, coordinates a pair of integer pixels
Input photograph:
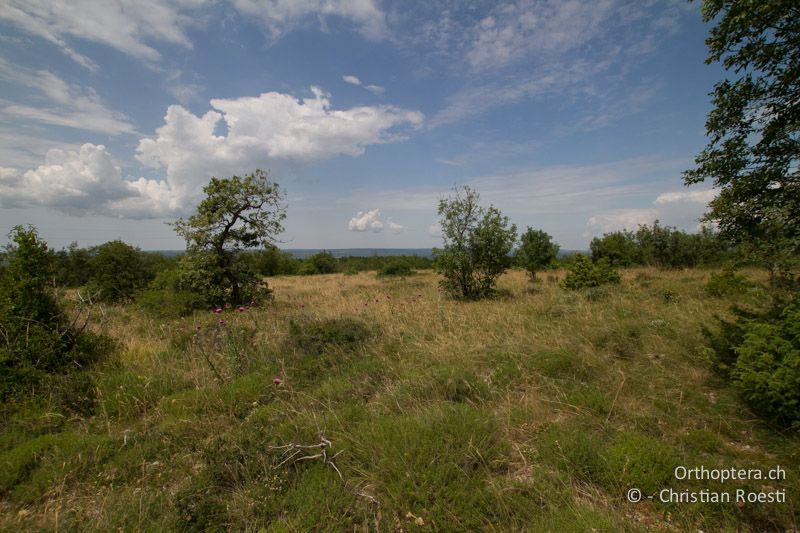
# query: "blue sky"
{"type": "Point", "coordinates": [576, 117]}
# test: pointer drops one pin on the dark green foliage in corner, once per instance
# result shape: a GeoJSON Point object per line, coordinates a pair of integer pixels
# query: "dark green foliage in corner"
{"type": "Point", "coordinates": [38, 337]}
{"type": "Point", "coordinates": [583, 273]}
{"type": "Point", "coordinates": [767, 368]}
{"type": "Point", "coordinates": [754, 129]}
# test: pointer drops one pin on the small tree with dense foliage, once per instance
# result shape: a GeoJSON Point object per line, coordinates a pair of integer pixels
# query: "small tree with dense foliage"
{"type": "Point", "coordinates": [477, 243]}
{"type": "Point", "coordinates": [619, 248]}
{"type": "Point", "coordinates": [583, 273]}
{"type": "Point", "coordinates": [237, 214]}
{"type": "Point", "coordinates": [537, 251]}
{"type": "Point", "coordinates": [118, 272]}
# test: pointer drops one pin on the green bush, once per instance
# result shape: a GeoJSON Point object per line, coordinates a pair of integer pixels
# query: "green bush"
{"type": "Point", "coordinates": [397, 268]}
{"type": "Point", "coordinates": [38, 336]}
{"type": "Point", "coordinates": [619, 248]}
{"type": "Point", "coordinates": [199, 273]}
{"type": "Point", "coordinates": [315, 337]}
{"type": "Point", "coordinates": [767, 367]}
{"type": "Point", "coordinates": [118, 272]}
{"type": "Point", "coordinates": [583, 273]}
{"type": "Point", "coordinates": [726, 282]}
{"type": "Point", "coordinates": [164, 297]}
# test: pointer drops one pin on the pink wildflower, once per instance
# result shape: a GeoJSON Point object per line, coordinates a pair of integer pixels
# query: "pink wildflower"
{"type": "Point", "coordinates": [241, 309]}
{"type": "Point", "coordinates": [218, 310]}
{"type": "Point", "coordinates": [277, 381]}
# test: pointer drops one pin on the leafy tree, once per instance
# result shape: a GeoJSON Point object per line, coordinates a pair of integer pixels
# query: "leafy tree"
{"type": "Point", "coordinates": [323, 262]}
{"type": "Point", "coordinates": [118, 272]}
{"type": "Point", "coordinates": [754, 129]}
{"type": "Point", "coordinates": [619, 248]}
{"type": "Point", "coordinates": [477, 243]}
{"type": "Point", "coordinates": [237, 214]}
{"type": "Point", "coordinates": [73, 266]}
{"type": "Point", "coordinates": [536, 251]}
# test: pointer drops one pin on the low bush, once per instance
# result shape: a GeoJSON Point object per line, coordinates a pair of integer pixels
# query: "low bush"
{"type": "Point", "coordinates": [583, 273]}
{"type": "Point", "coordinates": [164, 297]}
{"type": "Point", "coordinates": [397, 268]}
{"type": "Point", "coordinates": [315, 337]}
{"type": "Point", "coordinates": [726, 282]}
{"type": "Point", "coordinates": [767, 367]}
{"type": "Point", "coordinates": [39, 337]}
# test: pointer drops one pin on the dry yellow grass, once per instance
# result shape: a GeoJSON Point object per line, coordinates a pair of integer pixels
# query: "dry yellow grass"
{"type": "Point", "coordinates": [562, 376]}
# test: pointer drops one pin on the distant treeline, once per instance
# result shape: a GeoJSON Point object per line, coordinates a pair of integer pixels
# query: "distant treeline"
{"type": "Point", "coordinates": [76, 267]}
{"type": "Point", "coordinates": [655, 245]}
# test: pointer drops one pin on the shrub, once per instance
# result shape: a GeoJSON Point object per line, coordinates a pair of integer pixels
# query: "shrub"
{"type": "Point", "coordinates": [164, 297]}
{"type": "Point", "coordinates": [395, 268]}
{"type": "Point", "coordinates": [477, 242]}
{"type": "Point", "coordinates": [323, 263]}
{"type": "Point", "coordinates": [38, 337]}
{"type": "Point", "coordinates": [726, 282]}
{"type": "Point", "coordinates": [118, 272]}
{"type": "Point", "coordinates": [619, 248]}
{"type": "Point", "coordinates": [767, 367]}
{"type": "Point", "coordinates": [583, 273]}
{"type": "Point", "coordinates": [315, 337]}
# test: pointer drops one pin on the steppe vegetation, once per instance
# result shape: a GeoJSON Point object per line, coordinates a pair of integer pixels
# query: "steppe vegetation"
{"type": "Point", "coordinates": [536, 410]}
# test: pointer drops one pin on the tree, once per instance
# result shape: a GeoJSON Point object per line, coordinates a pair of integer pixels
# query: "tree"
{"type": "Point", "coordinates": [237, 214]}
{"type": "Point", "coordinates": [619, 248]}
{"type": "Point", "coordinates": [536, 252]}
{"type": "Point", "coordinates": [754, 129]}
{"type": "Point", "coordinates": [119, 271]}
{"type": "Point", "coordinates": [477, 243]}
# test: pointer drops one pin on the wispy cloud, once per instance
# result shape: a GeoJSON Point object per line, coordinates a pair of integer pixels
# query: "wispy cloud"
{"type": "Point", "coordinates": [354, 80]}
{"type": "Point", "coordinates": [68, 105]}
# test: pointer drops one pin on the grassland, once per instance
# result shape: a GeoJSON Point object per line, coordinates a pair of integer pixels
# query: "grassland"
{"type": "Point", "coordinates": [534, 411]}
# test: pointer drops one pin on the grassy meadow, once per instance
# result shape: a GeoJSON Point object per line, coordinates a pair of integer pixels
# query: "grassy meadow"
{"type": "Point", "coordinates": [355, 403]}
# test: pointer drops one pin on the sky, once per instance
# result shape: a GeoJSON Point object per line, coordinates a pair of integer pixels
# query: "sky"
{"type": "Point", "coordinates": [572, 116]}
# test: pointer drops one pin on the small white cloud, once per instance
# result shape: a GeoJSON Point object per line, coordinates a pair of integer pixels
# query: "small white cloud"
{"type": "Point", "coordinates": [435, 230]}
{"type": "Point", "coordinates": [354, 80]}
{"type": "Point", "coordinates": [366, 221]}
{"type": "Point", "coordinates": [395, 227]}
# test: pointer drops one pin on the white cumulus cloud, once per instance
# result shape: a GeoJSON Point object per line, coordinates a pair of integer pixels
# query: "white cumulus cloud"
{"type": "Point", "coordinates": [75, 182]}
{"type": "Point", "coordinates": [395, 228]}
{"type": "Point", "coordinates": [271, 126]}
{"type": "Point", "coordinates": [366, 221]}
